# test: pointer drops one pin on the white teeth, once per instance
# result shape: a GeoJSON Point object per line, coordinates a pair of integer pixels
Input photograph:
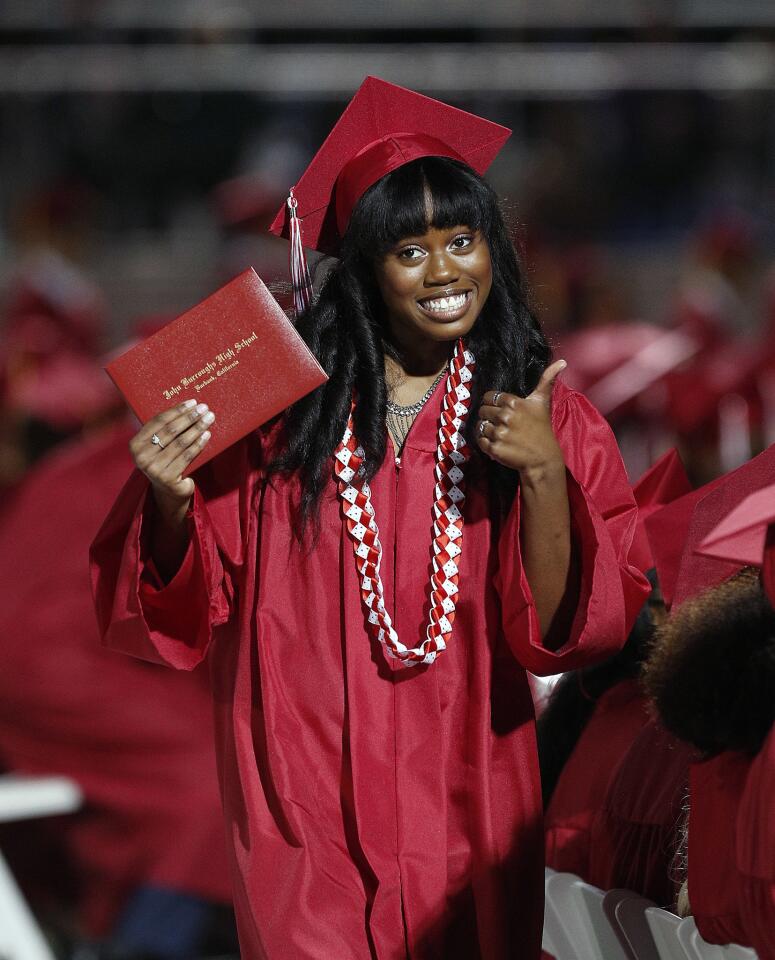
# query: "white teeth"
{"type": "Point", "coordinates": [444, 304]}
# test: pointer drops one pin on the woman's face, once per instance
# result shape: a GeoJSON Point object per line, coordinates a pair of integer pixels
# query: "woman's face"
{"type": "Point", "coordinates": [435, 285]}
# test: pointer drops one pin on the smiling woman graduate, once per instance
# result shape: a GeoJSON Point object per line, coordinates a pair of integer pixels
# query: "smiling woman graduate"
{"type": "Point", "coordinates": [372, 575]}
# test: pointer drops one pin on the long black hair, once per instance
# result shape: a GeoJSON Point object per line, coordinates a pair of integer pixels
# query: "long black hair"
{"type": "Point", "coordinates": [346, 329]}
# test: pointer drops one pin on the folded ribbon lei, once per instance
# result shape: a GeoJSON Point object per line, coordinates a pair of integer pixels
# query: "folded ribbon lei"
{"type": "Point", "coordinates": [451, 454]}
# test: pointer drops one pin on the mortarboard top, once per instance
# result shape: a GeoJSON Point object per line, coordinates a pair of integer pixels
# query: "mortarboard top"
{"type": "Point", "coordinates": [740, 536]}
{"type": "Point", "coordinates": [664, 482]}
{"type": "Point", "coordinates": [698, 572]}
{"type": "Point", "coordinates": [595, 352]}
{"type": "Point", "coordinates": [383, 127]}
{"type": "Point", "coordinates": [667, 530]}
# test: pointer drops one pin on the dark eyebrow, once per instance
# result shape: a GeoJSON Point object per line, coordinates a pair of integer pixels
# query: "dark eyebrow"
{"type": "Point", "coordinates": [417, 238]}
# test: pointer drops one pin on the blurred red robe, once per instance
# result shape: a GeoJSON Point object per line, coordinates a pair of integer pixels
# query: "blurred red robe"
{"type": "Point", "coordinates": [374, 812]}
{"type": "Point", "coordinates": [756, 851]}
{"type": "Point", "coordinates": [636, 835]}
{"type": "Point", "coordinates": [137, 739]}
{"type": "Point", "coordinates": [732, 849]}
{"type": "Point", "coordinates": [577, 800]}
{"type": "Point", "coordinates": [715, 895]}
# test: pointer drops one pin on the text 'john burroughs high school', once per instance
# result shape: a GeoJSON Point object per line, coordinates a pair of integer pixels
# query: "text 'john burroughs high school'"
{"type": "Point", "coordinates": [222, 363]}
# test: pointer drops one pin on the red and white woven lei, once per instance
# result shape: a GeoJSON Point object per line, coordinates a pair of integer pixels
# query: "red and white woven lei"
{"type": "Point", "coordinates": [451, 454]}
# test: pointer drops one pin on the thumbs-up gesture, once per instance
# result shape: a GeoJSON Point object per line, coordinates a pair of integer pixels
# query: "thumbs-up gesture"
{"type": "Point", "coordinates": [517, 431]}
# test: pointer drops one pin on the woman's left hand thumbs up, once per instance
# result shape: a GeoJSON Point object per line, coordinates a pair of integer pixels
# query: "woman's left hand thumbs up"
{"type": "Point", "coordinates": [517, 432]}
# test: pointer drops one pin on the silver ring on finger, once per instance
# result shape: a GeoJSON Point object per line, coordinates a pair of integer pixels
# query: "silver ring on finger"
{"type": "Point", "coordinates": [156, 442]}
{"type": "Point", "coordinates": [496, 397]}
{"type": "Point", "coordinates": [482, 425]}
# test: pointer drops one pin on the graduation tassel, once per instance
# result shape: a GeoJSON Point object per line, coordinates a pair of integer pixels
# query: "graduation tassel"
{"type": "Point", "coordinates": [300, 278]}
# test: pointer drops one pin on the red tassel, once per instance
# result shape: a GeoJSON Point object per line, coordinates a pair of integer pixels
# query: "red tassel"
{"type": "Point", "coordinates": [300, 278]}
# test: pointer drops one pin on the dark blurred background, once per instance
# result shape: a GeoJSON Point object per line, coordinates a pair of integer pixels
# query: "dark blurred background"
{"type": "Point", "coordinates": [145, 146]}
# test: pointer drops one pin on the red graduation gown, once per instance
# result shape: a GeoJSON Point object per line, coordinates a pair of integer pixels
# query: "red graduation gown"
{"type": "Point", "coordinates": [137, 738]}
{"type": "Point", "coordinates": [715, 790]}
{"type": "Point", "coordinates": [578, 796]}
{"type": "Point", "coordinates": [635, 837]}
{"type": "Point", "coordinates": [756, 852]}
{"type": "Point", "coordinates": [374, 812]}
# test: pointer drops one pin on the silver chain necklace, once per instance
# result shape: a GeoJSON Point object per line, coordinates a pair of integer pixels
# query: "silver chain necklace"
{"type": "Point", "coordinates": [414, 408]}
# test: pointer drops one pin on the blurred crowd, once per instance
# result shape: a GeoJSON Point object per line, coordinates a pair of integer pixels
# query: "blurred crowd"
{"type": "Point", "coordinates": [140, 869]}
{"type": "Point", "coordinates": [657, 766]}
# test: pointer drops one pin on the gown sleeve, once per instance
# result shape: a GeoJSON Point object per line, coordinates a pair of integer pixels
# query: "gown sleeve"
{"type": "Point", "coordinates": [173, 623]}
{"type": "Point", "coordinates": [610, 590]}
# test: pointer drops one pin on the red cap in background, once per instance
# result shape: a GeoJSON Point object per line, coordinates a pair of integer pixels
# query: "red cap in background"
{"type": "Point", "coordinates": [696, 390]}
{"type": "Point", "coordinates": [661, 484]}
{"type": "Point", "coordinates": [245, 198]}
{"type": "Point", "coordinates": [667, 530]}
{"type": "Point", "coordinates": [382, 128]}
{"type": "Point", "coordinates": [740, 535]}
{"type": "Point", "coordinates": [699, 571]}
{"type": "Point", "coordinates": [66, 391]}
{"type": "Point", "coordinates": [49, 285]}
{"type": "Point", "coordinates": [746, 536]}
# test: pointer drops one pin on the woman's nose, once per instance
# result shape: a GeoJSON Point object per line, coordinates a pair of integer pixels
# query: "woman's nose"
{"type": "Point", "coordinates": [441, 269]}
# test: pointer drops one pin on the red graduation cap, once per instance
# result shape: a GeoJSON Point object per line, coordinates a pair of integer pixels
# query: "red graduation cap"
{"type": "Point", "coordinates": [667, 530]}
{"type": "Point", "coordinates": [697, 388]}
{"type": "Point", "coordinates": [661, 484]}
{"type": "Point", "coordinates": [740, 536]}
{"type": "Point", "coordinates": [382, 128]}
{"type": "Point", "coordinates": [699, 571]}
{"type": "Point", "coordinates": [746, 536]}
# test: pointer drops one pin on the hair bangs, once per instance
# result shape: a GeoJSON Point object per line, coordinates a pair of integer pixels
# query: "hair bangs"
{"type": "Point", "coordinates": [432, 192]}
{"type": "Point", "coordinates": [457, 196]}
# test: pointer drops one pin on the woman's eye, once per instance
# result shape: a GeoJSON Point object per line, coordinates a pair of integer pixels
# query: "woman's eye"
{"type": "Point", "coordinates": [463, 241]}
{"type": "Point", "coordinates": [410, 253]}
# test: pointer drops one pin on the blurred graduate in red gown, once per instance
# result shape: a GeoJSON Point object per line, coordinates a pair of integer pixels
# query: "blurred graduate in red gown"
{"type": "Point", "coordinates": [637, 835]}
{"type": "Point", "coordinates": [595, 714]}
{"type": "Point", "coordinates": [712, 676]}
{"type": "Point", "coordinates": [145, 857]}
{"type": "Point", "coordinates": [755, 849]}
{"type": "Point", "coordinates": [378, 762]}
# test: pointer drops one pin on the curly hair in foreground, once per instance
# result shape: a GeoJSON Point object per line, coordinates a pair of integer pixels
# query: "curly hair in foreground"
{"type": "Point", "coordinates": [711, 672]}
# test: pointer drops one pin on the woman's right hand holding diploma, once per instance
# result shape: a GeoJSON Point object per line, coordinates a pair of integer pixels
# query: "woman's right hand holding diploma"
{"type": "Point", "coordinates": [162, 449]}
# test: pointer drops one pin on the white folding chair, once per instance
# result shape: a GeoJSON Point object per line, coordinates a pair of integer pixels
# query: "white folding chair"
{"type": "Point", "coordinates": [611, 898]}
{"type": "Point", "coordinates": [631, 917]}
{"type": "Point", "coordinates": [606, 944]}
{"type": "Point", "coordinates": [734, 951]}
{"type": "Point", "coordinates": [695, 947]}
{"type": "Point", "coordinates": [664, 928]}
{"type": "Point", "coordinates": [23, 798]}
{"type": "Point", "coordinates": [558, 932]}
{"type": "Point", "coordinates": [579, 908]}
{"type": "Point", "coordinates": [699, 949]}
{"type": "Point", "coordinates": [547, 940]}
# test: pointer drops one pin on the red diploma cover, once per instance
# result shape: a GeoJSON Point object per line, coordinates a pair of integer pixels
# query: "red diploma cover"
{"type": "Point", "coordinates": [236, 351]}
